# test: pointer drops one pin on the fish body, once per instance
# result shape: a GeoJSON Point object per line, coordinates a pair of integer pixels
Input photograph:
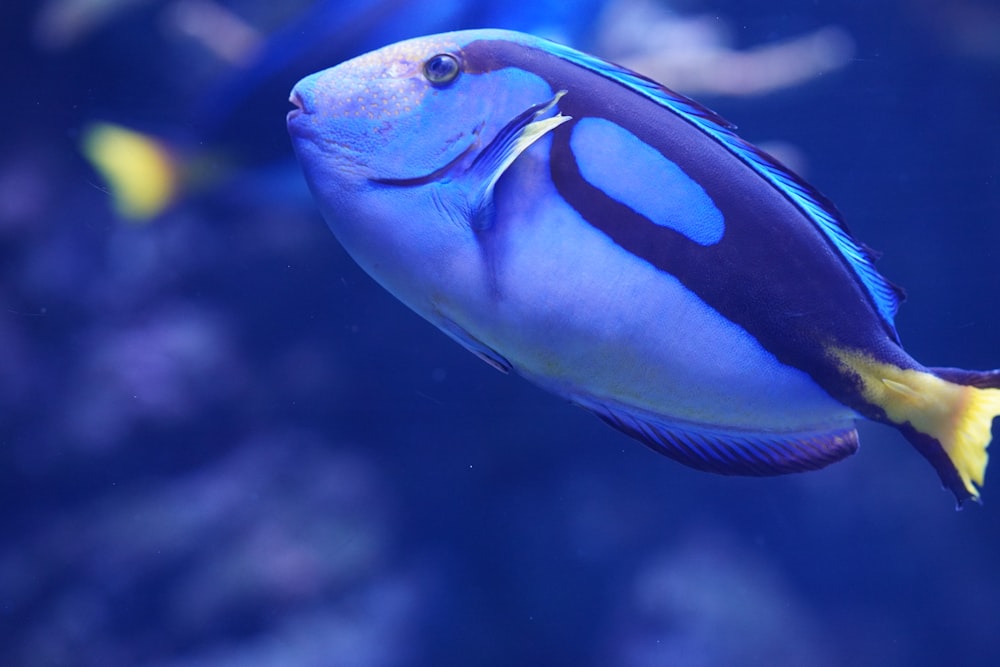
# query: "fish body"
{"type": "Point", "coordinates": [621, 246]}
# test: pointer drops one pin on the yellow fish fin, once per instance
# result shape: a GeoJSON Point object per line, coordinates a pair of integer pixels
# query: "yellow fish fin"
{"type": "Point", "coordinates": [140, 171]}
{"type": "Point", "coordinates": [946, 413]}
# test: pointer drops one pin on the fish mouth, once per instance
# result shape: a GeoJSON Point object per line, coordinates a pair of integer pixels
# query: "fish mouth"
{"type": "Point", "coordinates": [300, 106]}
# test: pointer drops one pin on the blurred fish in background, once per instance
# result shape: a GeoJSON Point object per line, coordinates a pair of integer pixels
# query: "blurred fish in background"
{"type": "Point", "coordinates": [215, 450]}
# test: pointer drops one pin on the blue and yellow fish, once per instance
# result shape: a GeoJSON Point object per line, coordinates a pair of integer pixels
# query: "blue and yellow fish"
{"type": "Point", "coordinates": [619, 245]}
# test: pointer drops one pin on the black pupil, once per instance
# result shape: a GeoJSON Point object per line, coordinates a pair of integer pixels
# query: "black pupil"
{"type": "Point", "coordinates": [441, 68]}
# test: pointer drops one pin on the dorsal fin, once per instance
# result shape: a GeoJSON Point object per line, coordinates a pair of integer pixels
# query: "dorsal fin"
{"type": "Point", "coordinates": [885, 296]}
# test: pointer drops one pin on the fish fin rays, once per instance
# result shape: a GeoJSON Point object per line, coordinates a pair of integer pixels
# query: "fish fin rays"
{"type": "Point", "coordinates": [513, 139]}
{"type": "Point", "coordinates": [885, 296]}
{"type": "Point", "coordinates": [734, 452]}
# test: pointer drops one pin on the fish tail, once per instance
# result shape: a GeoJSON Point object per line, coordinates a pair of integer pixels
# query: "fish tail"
{"type": "Point", "coordinates": [970, 431]}
{"type": "Point", "coordinates": [142, 174]}
{"type": "Point", "coordinates": [946, 413]}
{"type": "Point", "coordinates": [948, 416]}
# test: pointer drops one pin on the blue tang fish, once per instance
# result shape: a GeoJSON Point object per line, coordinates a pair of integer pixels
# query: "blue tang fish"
{"type": "Point", "coordinates": [619, 245]}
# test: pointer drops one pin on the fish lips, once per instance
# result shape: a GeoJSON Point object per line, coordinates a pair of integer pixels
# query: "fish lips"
{"type": "Point", "coordinates": [301, 104]}
{"type": "Point", "coordinates": [303, 98]}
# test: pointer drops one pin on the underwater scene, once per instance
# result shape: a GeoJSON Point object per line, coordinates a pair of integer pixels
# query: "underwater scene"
{"type": "Point", "coordinates": [238, 427]}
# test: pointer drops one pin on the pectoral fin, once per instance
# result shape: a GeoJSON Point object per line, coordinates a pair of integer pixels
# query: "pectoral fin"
{"type": "Point", "coordinates": [515, 138]}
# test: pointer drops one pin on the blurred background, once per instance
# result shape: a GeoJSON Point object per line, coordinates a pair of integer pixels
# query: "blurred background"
{"type": "Point", "coordinates": [222, 444]}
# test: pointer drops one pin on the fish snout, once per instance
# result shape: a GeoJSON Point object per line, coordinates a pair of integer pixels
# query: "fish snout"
{"type": "Point", "coordinates": [302, 103]}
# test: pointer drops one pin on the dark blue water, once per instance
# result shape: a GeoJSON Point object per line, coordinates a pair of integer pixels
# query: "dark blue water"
{"type": "Point", "coordinates": [222, 444]}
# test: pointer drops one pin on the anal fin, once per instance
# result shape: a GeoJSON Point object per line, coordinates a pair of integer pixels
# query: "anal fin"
{"type": "Point", "coordinates": [734, 452]}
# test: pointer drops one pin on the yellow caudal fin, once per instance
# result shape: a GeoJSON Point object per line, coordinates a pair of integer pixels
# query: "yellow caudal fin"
{"type": "Point", "coordinates": [141, 173]}
{"type": "Point", "coordinates": [937, 416]}
{"type": "Point", "coordinates": [947, 414]}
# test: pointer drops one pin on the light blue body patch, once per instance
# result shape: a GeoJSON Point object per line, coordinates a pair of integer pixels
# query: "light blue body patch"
{"type": "Point", "coordinates": [603, 148]}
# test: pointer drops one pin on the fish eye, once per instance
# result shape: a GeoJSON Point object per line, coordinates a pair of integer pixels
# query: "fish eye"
{"type": "Point", "coordinates": [442, 69]}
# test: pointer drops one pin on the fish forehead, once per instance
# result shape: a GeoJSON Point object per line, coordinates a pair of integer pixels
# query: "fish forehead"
{"type": "Point", "coordinates": [396, 62]}
{"type": "Point", "coordinates": [396, 69]}
{"type": "Point", "coordinates": [377, 117]}
{"type": "Point", "coordinates": [374, 86]}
